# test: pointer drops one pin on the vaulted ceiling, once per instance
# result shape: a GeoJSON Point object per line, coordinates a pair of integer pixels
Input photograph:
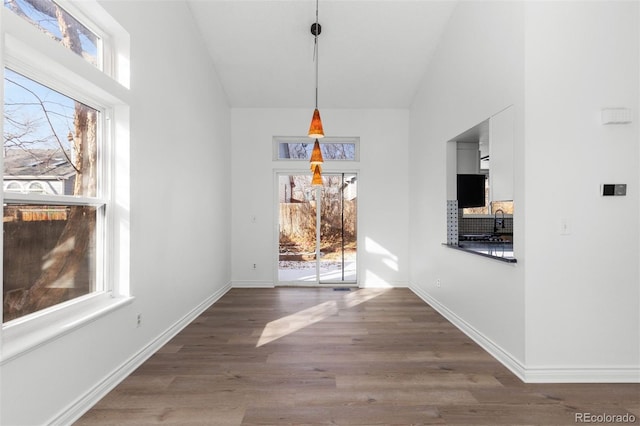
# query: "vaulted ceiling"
{"type": "Point", "coordinates": [372, 54]}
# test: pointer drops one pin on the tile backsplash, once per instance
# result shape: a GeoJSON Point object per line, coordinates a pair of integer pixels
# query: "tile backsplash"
{"type": "Point", "coordinates": [483, 225]}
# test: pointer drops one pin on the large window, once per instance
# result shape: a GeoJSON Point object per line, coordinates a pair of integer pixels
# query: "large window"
{"type": "Point", "coordinates": [51, 140]}
{"type": "Point", "coordinates": [65, 197]}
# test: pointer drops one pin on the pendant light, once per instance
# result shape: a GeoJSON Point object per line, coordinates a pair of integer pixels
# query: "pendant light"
{"type": "Point", "coordinates": [317, 176]}
{"type": "Point", "coordinates": [316, 155]}
{"type": "Point", "coordinates": [315, 130]}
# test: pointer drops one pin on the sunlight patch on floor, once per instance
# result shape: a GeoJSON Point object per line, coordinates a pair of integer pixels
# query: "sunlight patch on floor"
{"type": "Point", "coordinates": [357, 297]}
{"type": "Point", "coordinates": [284, 326]}
{"type": "Point", "coordinates": [294, 322]}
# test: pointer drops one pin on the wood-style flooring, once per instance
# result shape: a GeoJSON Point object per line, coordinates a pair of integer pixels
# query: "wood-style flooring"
{"type": "Point", "coordinates": [310, 356]}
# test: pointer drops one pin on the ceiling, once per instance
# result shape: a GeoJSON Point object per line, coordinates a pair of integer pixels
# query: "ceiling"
{"type": "Point", "coordinates": [372, 54]}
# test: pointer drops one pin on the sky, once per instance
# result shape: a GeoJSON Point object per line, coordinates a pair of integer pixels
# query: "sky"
{"type": "Point", "coordinates": [22, 104]}
{"type": "Point", "coordinates": [23, 95]}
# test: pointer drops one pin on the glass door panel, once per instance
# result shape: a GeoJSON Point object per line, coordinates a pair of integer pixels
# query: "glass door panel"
{"type": "Point", "coordinates": [338, 229]}
{"type": "Point", "coordinates": [304, 254]}
{"type": "Point", "coordinates": [297, 229]}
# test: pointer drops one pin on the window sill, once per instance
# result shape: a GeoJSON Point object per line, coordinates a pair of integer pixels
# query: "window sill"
{"type": "Point", "coordinates": [21, 336]}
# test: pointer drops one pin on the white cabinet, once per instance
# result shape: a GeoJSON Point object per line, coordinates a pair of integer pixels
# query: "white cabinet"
{"type": "Point", "coordinates": [468, 155]}
{"type": "Point", "coordinates": [501, 141]}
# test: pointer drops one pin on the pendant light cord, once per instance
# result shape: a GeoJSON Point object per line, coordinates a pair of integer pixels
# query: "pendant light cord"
{"type": "Point", "coordinates": [315, 51]}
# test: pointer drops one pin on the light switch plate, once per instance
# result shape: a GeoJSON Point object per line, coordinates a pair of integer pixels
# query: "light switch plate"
{"type": "Point", "coordinates": [616, 115]}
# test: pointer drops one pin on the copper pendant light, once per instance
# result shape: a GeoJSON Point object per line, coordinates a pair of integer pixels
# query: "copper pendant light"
{"type": "Point", "coordinates": [317, 176]}
{"type": "Point", "coordinates": [316, 154]}
{"type": "Point", "coordinates": [315, 129]}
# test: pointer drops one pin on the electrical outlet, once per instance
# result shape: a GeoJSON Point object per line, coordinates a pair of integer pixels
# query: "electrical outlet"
{"type": "Point", "coordinates": [139, 321]}
{"type": "Point", "coordinates": [254, 266]}
{"type": "Point", "coordinates": [564, 227]}
{"type": "Point", "coordinates": [438, 283]}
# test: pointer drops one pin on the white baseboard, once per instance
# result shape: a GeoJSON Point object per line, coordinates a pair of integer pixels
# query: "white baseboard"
{"type": "Point", "coordinates": [503, 356]}
{"type": "Point", "coordinates": [85, 402]}
{"type": "Point", "coordinates": [384, 284]}
{"type": "Point", "coordinates": [252, 284]}
{"type": "Point", "coordinates": [544, 374]}
{"type": "Point", "coordinates": [270, 284]}
{"type": "Point", "coordinates": [582, 375]}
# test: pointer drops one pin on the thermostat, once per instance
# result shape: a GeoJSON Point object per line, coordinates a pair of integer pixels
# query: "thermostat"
{"type": "Point", "coordinates": [612, 189]}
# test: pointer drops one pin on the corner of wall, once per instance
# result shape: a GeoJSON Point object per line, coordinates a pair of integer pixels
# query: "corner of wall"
{"type": "Point", "coordinates": [502, 355]}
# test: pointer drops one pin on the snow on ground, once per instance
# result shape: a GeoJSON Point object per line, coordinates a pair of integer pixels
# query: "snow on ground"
{"type": "Point", "coordinates": [291, 271]}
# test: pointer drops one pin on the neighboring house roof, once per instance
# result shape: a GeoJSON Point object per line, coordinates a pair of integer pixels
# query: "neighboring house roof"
{"type": "Point", "coordinates": [37, 164]}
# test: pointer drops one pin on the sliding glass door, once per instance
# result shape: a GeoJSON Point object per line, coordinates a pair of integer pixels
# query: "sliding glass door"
{"type": "Point", "coordinates": [317, 233]}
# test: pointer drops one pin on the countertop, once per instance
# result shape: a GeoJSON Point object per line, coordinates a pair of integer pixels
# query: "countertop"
{"type": "Point", "coordinates": [499, 250]}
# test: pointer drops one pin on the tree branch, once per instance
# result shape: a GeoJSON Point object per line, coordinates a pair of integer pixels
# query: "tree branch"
{"type": "Point", "coordinates": [46, 114]}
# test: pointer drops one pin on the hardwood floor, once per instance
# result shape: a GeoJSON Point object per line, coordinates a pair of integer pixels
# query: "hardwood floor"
{"type": "Point", "coordinates": [318, 356]}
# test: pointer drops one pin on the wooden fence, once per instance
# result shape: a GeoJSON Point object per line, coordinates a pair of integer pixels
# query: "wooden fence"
{"type": "Point", "coordinates": [298, 220]}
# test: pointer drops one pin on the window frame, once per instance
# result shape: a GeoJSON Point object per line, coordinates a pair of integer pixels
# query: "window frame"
{"type": "Point", "coordinates": [18, 190]}
{"type": "Point", "coordinates": [28, 51]}
{"type": "Point", "coordinates": [102, 60]}
{"type": "Point", "coordinates": [102, 199]}
{"type": "Point", "coordinates": [347, 140]}
{"type": "Point", "coordinates": [35, 187]}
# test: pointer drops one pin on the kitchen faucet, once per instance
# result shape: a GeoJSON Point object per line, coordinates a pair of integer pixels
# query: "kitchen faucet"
{"type": "Point", "coordinates": [498, 222]}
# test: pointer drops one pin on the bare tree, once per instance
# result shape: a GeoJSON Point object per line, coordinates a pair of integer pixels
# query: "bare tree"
{"type": "Point", "coordinates": [66, 258]}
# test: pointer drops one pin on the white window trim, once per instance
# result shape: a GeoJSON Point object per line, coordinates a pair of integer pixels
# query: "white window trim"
{"type": "Point", "coordinates": [115, 40]}
{"type": "Point", "coordinates": [25, 334]}
{"type": "Point", "coordinates": [24, 49]}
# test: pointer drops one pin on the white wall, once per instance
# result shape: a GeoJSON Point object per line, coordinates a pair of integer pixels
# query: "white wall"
{"type": "Point", "coordinates": [583, 288]}
{"type": "Point", "coordinates": [382, 189]}
{"type": "Point", "coordinates": [180, 194]}
{"type": "Point", "coordinates": [569, 309]}
{"type": "Point", "coordinates": [476, 72]}
{"type": "Point", "coordinates": [581, 314]}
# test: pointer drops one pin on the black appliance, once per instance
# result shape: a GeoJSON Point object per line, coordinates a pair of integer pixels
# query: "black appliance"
{"type": "Point", "coordinates": [471, 190]}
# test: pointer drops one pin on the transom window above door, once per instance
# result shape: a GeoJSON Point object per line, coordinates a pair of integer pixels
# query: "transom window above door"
{"type": "Point", "coordinates": [299, 148]}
